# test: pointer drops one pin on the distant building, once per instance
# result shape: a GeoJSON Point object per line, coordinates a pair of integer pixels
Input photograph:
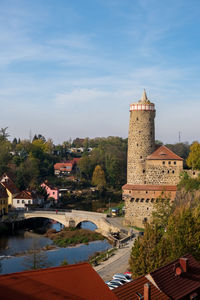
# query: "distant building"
{"type": "Point", "coordinates": [65, 168]}
{"type": "Point", "coordinates": [52, 191]}
{"type": "Point", "coordinates": [152, 171]}
{"type": "Point", "coordinates": [11, 188]}
{"type": "Point", "coordinates": [26, 198]}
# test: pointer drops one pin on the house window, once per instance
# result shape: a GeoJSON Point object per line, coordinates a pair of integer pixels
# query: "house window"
{"type": "Point", "coordinates": [18, 201]}
{"type": "Point", "coordinates": [29, 201]}
{"type": "Point", "coordinates": [23, 201]}
{"type": "Point", "coordinates": [53, 193]}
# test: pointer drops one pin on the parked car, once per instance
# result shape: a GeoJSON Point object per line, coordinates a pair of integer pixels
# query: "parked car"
{"type": "Point", "coordinates": [122, 276]}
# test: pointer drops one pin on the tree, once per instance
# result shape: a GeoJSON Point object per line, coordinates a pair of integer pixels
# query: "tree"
{"type": "Point", "coordinates": [3, 134]}
{"type": "Point", "coordinates": [163, 209]}
{"type": "Point", "coordinates": [37, 259]}
{"type": "Point", "coordinates": [98, 177]}
{"type": "Point", "coordinates": [193, 160]}
{"type": "Point", "coordinates": [158, 247]}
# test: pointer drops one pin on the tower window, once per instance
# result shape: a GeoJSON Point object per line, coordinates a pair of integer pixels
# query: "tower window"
{"type": "Point", "coordinates": [137, 144]}
{"type": "Point", "coordinates": [173, 171]}
{"type": "Point", "coordinates": [132, 199]}
{"type": "Point", "coordinates": [137, 119]}
{"type": "Point", "coordinates": [163, 162]}
{"type": "Point", "coordinates": [163, 171]}
{"type": "Point", "coordinates": [146, 192]}
{"type": "Point", "coordinates": [141, 158]}
{"type": "Point", "coordinates": [168, 171]}
{"type": "Point", "coordinates": [147, 200]}
{"type": "Point", "coordinates": [137, 200]}
{"type": "Point", "coordinates": [143, 171]}
{"type": "Point", "coordinates": [142, 200]}
{"type": "Point", "coordinates": [174, 162]}
{"type": "Point", "coordinates": [169, 162]}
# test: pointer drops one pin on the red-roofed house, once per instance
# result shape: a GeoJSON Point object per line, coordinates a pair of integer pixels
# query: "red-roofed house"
{"type": "Point", "coordinates": [11, 188]}
{"type": "Point", "coordinates": [25, 198]}
{"type": "Point", "coordinates": [65, 168]}
{"type": "Point", "coordinates": [73, 282]}
{"type": "Point", "coordinates": [178, 280]}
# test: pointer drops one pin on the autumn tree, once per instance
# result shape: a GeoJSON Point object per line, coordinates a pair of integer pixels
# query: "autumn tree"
{"type": "Point", "coordinates": [98, 177]}
{"type": "Point", "coordinates": [193, 160]}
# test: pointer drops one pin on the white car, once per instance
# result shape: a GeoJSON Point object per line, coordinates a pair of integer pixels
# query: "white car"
{"type": "Point", "coordinates": [123, 277]}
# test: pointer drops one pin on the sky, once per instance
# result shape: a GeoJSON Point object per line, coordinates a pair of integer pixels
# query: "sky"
{"type": "Point", "coordinates": [71, 68]}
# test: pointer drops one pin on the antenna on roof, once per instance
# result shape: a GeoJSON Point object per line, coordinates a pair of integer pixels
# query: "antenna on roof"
{"type": "Point", "coordinates": [179, 136]}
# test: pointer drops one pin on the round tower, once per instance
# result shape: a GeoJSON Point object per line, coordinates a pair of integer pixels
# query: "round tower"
{"type": "Point", "coordinates": [141, 139]}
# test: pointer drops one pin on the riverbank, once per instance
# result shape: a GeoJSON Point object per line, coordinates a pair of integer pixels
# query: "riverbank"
{"type": "Point", "coordinates": [73, 236]}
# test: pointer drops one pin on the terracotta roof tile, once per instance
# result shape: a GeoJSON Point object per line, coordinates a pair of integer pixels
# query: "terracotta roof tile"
{"type": "Point", "coordinates": [128, 291]}
{"type": "Point", "coordinates": [148, 187]}
{"type": "Point", "coordinates": [78, 282]}
{"type": "Point", "coordinates": [163, 153]}
{"type": "Point", "coordinates": [23, 195]}
{"type": "Point", "coordinates": [178, 287]}
{"type": "Point", "coordinates": [10, 186]}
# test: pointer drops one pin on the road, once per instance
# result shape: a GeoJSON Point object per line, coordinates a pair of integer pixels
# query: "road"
{"type": "Point", "coordinates": [117, 263]}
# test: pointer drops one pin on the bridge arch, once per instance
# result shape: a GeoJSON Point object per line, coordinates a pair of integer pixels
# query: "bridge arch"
{"type": "Point", "coordinates": [92, 224]}
{"type": "Point", "coordinates": [50, 217]}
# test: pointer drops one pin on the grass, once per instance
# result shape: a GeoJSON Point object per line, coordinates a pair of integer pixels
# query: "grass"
{"type": "Point", "coordinates": [70, 236]}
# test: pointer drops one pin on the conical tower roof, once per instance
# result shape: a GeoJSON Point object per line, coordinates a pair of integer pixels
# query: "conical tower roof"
{"type": "Point", "coordinates": [144, 98]}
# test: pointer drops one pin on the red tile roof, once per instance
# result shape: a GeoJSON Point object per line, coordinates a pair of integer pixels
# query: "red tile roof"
{"type": "Point", "coordinates": [10, 186]}
{"type": "Point", "coordinates": [69, 163]}
{"type": "Point", "coordinates": [79, 281]}
{"type": "Point", "coordinates": [23, 195]}
{"type": "Point", "coordinates": [178, 287]}
{"type": "Point", "coordinates": [128, 291]}
{"type": "Point", "coordinates": [148, 187]}
{"type": "Point", "coordinates": [163, 153]}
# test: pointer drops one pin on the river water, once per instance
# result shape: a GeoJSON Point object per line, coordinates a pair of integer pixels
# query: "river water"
{"type": "Point", "coordinates": [25, 240]}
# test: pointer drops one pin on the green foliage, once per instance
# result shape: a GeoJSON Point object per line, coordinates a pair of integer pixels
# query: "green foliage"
{"type": "Point", "coordinates": [188, 183]}
{"type": "Point", "coordinates": [193, 160]}
{"type": "Point", "coordinates": [158, 247]}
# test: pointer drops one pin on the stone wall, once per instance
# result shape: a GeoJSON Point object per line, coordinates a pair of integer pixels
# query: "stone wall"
{"type": "Point", "coordinates": [166, 172]}
{"type": "Point", "coordinates": [141, 143]}
{"type": "Point", "coordinates": [139, 205]}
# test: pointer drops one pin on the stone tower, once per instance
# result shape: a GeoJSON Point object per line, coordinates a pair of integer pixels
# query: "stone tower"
{"type": "Point", "coordinates": [141, 139]}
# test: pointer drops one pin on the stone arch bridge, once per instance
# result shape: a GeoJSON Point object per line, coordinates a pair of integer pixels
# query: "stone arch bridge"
{"type": "Point", "coordinates": [73, 218]}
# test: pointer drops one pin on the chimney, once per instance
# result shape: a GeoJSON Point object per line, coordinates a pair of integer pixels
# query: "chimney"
{"type": "Point", "coordinates": [147, 291]}
{"type": "Point", "coordinates": [184, 264]}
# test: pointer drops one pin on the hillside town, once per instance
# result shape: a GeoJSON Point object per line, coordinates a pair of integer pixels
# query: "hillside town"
{"type": "Point", "coordinates": [99, 150]}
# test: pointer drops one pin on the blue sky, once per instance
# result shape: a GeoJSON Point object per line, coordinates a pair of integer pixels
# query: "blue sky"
{"type": "Point", "coordinates": [71, 68]}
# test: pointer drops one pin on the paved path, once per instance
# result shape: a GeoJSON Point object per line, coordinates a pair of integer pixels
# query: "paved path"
{"type": "Point", "coordinates": [117, 263]}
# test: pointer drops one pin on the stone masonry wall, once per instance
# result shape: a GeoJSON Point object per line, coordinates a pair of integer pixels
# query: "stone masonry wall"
{"type": "Point", "coordinates": [139, 205]}
{"type": "Point", "coordinates": [141, 143]}
{"type": "Point", "coordinates": [166, 172]}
